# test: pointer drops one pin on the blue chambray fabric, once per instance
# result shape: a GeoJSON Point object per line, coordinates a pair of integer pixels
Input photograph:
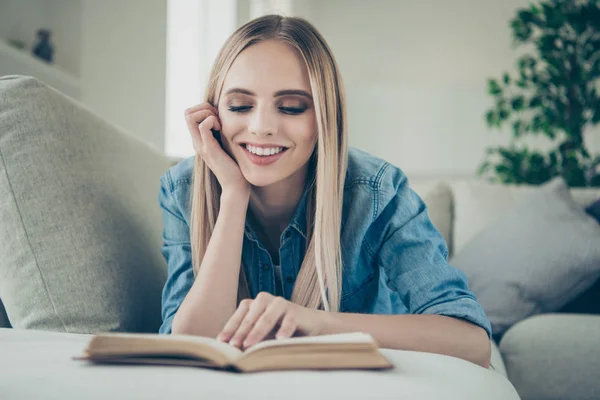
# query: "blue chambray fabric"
{"type": "Point", "coordinates": [394, 260]}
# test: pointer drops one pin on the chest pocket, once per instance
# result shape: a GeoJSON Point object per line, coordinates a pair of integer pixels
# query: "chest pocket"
{"type": "Point", "coordinates": [362, 297]}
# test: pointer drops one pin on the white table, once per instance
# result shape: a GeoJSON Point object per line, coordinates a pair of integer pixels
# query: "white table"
{"type": "Point", "coordinates": [37, 364]}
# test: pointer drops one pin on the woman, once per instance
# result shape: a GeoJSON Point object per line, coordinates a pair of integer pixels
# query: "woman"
{"type": "Point", "coordinates": [291, 233]}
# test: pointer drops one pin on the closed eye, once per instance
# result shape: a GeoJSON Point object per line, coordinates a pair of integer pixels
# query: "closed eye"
{"type": "Point", "coordinates": [284, 110]}
{"type": "Point", "coordinates": [240, 108]}
{"type": "Point", "coordinates": [292, 110]}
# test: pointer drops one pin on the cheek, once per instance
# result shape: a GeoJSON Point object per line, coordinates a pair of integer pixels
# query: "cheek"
{"type": "Point", "coordinates": [303, 131]}
{"type": "Point", "coordinates": [232, 124]}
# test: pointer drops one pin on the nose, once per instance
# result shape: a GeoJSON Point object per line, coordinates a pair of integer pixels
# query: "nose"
{"type": "Point", "coordinates": [262, 121]}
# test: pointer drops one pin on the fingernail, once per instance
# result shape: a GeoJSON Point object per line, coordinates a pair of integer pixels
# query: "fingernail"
{"type": "Point", "coordinates": [235, 343]}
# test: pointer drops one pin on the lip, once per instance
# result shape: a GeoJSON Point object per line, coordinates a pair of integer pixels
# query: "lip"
{"type": "Point", "coordinates": [261, 160]}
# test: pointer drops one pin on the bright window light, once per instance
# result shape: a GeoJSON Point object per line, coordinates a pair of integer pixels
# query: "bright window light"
{"type": "Point", "coordinates": [196, 29]}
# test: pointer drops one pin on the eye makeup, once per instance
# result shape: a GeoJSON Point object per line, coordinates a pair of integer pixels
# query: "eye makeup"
{"type": "Point", "coordinates": [288, 106]}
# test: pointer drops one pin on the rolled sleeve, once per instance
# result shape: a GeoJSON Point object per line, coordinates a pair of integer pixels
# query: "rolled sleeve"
{"type": "Point", "coordinates": [176, 250]}
{"type": "Point", "coordinates": [414, 256]}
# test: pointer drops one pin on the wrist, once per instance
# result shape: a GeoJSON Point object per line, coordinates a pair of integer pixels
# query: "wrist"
{"type": "Point", "coordinates": [235, 197]}
{"type": "Point", "coordinates": [330, 322]}
{"type": "Point", "coordinates": [322, 322]}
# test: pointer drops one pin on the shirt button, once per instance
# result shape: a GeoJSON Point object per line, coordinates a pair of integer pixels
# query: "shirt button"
{"type": "Point", "coordinates": [289, 279]}
{"type": "Point", "coordinates": [265, 267]}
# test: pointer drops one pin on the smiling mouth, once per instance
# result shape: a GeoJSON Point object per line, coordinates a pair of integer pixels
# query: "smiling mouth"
{"type": "Point", "coordinates": [259, 152]}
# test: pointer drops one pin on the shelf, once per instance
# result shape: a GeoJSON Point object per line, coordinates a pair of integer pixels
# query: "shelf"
{"type": "Point", "coordinates": [19, 62]}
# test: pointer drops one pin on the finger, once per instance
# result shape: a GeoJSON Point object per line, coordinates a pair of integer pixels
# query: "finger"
{"type": "Point", "coordinates": [209, 142]}
{"type": "Point", "coordinates": [234, 321]}
{"type": "Point", "coordinates": [201, 106]}
{"type": "Point", "coordinates": [192, 121]}
{"type": "Point", "coordinates": [211, 122]}
{"type": "Point", "coordinates": [199, 116]}
{"type": "Point", "coordinates": [256, 310]}
{"type": "Point", "coordinates": [267, 321]}
{"type": "Point", "coordinates": [288, 326]}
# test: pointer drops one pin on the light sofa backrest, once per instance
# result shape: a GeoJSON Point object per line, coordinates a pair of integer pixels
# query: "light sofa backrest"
{"type": "Point", "coordinates": [80, 224]}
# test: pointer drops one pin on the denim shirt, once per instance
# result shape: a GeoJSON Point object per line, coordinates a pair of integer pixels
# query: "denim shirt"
{"type": "Point", "coordinates": [394, 259]}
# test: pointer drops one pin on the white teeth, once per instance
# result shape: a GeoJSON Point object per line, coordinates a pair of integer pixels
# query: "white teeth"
{"type": "Point", "coordinates": [262, 151]}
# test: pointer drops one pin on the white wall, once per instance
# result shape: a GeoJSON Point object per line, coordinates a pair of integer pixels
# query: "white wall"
{"type": "Point", "coordinates": [20, 19]}
{"type": "Point", "coordinates": [415, 74]}
{"type": "Point", "coordinates": [123, 64]}
{"type": "Point", "coordinates": [16, 62]}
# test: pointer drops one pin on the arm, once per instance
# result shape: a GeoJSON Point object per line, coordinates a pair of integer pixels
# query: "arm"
{"type": "Point", "coordinates": [428, 333]}
{"type": "Point", "coordinates": [212, 298]}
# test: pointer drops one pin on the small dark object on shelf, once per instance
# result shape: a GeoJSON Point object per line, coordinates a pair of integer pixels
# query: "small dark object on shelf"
{"type": "Point", "coordinates": [43, 49]}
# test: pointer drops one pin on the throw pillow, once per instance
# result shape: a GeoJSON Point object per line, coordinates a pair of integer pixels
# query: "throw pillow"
{"type": "Point", "coordinates": [478, 203]}
{"type": "Point", "coordinates": [80, 235]}
{"type": "Point", "coordinates": [535, 258]}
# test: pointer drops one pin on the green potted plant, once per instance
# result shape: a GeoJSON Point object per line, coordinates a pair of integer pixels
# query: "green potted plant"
{"type": "Point", "coordinates": [555, 93]}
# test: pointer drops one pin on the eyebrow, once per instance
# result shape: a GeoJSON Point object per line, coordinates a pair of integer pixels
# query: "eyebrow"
{"type": "Point", "coordinates": [279, 93]}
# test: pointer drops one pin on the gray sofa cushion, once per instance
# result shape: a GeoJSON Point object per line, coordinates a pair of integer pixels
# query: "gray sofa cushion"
{"type": "Point", "coordinates": [80, 231]}
{"type": "Point", "coordinates": [554, 357]}
{"type": "Point", "coordinates": [535, 258]}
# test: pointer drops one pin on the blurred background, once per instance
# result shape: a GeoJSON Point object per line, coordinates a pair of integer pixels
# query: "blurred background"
{"type": "Point", "coordinates": [416, 72]}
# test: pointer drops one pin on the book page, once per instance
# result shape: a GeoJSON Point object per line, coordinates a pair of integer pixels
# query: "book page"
{"type": "Point", "coordinates": [231, 352]}
{"type": "Point", "coordinates": [354, 337]}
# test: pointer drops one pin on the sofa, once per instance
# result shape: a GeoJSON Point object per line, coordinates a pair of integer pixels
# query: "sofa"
{"type": "Point", "coordinates": [80, 240]}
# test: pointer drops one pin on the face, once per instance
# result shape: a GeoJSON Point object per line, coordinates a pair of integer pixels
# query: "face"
{"type": "Point", "coordinates": [267, 114]}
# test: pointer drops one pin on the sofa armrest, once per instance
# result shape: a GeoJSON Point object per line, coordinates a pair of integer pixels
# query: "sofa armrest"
{"type": "Point", "coordinates": [554, 356]}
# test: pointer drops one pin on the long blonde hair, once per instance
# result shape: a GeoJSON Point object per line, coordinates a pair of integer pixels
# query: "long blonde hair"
{"type": "Point", "coordinates": [319, 281]}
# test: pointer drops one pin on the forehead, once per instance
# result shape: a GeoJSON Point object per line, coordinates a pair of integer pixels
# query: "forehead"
{"type": "Point", "coordinates": [267, 67]}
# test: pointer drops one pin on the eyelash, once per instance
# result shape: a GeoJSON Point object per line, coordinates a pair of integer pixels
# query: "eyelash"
{"type": "Point", "coordinates": [284, 110]}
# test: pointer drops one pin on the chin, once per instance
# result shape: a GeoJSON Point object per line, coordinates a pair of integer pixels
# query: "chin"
{"type": "Point", "coordinates": [262, 181]}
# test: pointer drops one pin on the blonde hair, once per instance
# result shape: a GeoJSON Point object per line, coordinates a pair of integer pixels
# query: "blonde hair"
{"type": "Point", "coordinates": [319, 280]}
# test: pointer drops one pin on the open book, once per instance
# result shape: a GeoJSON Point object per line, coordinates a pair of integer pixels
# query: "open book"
{"type": "Point", "coordinates": [339, 351]}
